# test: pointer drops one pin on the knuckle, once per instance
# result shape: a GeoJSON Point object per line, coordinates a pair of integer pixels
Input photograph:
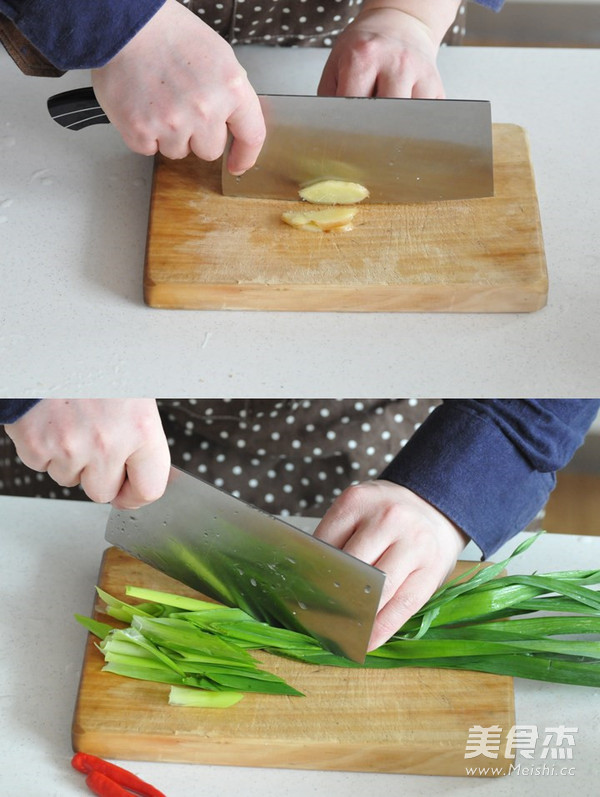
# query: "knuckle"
{"type": "Point", "coordinates": [352, 499]}
{"type": "Point", "coordinates": [30, 455]}
{"type": "Point", "coordinates": [146, 423]}
{"type": "Point", "coordinates": [203, 111]}
{"type": "Point", "coordinates": [139, 138]}
{"type": "Point", "coordinates": [66, 445]}
{"type": "Point", "coordinates": [101, 444]}
{"type": "Point", "coordinates": [237, 83]}
{"type": "Point", "coordinates": [365, 50]}
{"type": "Point", "coordinates": [394, 514]}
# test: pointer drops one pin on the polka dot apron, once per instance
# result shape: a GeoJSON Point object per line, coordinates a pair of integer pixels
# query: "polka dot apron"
{"type": "Point", "coordinates": [300, 23]}
{"type": "Point", "coordinates": [291, 456]}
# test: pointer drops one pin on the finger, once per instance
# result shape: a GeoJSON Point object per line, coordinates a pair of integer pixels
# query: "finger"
{"type": "Point", "coordinates": [380, 535]}
{"type": "Point", "coordinates": [209, 146]}
{"type": "Point", "coordinates": [356, 82]}
{"type": "Point", "coordinates": [335, 529]}
{"type": "Point", "coordinates": [175, 150]}
{"type": "Point", "coordinates": [415, 591]}
{"type": "Point", "coordinates": [429, 88]}
{"type": "Point", "coordinates": [67, 474]}
{"type": "Point", "coordinates": [247, 127]}
{"type": "Point", "coordinates": [340, 521]}
{"type": "Point", "coordinates": [147, 475]}
{"type": "Point", "coordinates": [398, 561]}
{"type": "Point", "coordinates": [328, 84]}
{"type": "Point", "coordinates": [31, 458]}
{"type": "Point", "coordinates": [138, 140]}
{"type": "Point", "coordinates": [174, 144]}
{"type": "Point", "coordinates": [103, 482]}
{"type": "Point", "coordinates": [395, 83]}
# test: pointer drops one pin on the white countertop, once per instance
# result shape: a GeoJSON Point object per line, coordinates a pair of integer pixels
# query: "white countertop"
{"type": "Point", "coordinates": [51, 553]}
{"type": "Point", "coordinates": [73, 218]}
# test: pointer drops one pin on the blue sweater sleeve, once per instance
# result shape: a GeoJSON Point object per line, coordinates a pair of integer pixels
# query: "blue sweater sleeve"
{"type": "Point", "coordinates": [489, 465]}
{"type": "Point", "coordinates": [495, 5]}
{"type": "Point", "coordinates": [73, 34]}
{"type": "Point", "coordinates": [12, 409]}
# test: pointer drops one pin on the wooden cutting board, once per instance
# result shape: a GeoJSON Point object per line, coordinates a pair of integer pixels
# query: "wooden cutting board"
{"type": "Point", "coordinates": [207, 251]}
{"type": "Point", "coordinates": [407, 720]}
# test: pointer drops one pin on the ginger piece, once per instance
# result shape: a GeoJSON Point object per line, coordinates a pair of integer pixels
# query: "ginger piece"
{"type": "Point", "coordinates": [334, 192]}
{"type": "Point", "coordinates": [326, 220]}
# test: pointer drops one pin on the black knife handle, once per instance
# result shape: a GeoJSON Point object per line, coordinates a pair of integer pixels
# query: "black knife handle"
{"type": "Point", "coordinates": [77, 109]}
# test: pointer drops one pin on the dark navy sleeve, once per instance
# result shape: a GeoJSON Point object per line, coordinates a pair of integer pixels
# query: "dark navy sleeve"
{"type": "Point", "coordinates": [495, 5]}
{"type": "Point", "coordinates": [489, 465]}
{"type": "Point", "coordinates": [79, 35]}
{"type": "Point", "coordinates": [13, 409]}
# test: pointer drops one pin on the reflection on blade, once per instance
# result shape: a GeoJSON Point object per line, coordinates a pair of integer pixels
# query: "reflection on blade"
{"type": "Point", "coordinates": [244, 557]}
{"type": "Point", "coordinates": [402, 150]}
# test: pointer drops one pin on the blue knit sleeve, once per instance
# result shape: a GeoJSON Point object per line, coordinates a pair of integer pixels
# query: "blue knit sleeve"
{"type": "Point", "coordinates": [489, 465]}
{"type": "Point", "coordinates": [13, 409]}
{"type": "Point", "coordinates": [495, 5]}
{"type": "Point", "coordinates": [79, 35]}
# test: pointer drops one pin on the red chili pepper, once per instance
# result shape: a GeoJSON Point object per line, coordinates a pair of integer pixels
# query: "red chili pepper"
{"type": "Point", "coordinates": [88, 764]}
{"type": "Point", "coordinates": [104, 786]}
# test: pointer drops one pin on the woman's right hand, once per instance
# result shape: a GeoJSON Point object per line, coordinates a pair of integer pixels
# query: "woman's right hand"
{"type": "Point", "coordinates": [176, 87]}
{"type": "Point", "coordinates": [115, 448]}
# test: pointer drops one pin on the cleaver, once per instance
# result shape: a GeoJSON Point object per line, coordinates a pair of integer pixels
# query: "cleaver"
{"type": "Point", "coordinates": [402, 150]}
{"type": "Point", "coordinates": [244, 557]}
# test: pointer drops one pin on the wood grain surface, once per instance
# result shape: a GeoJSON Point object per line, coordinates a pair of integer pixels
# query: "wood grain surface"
{"type": "Point", "coordinates": [208, 251]}
{"type": "Point", "coordinates": [406, 720]}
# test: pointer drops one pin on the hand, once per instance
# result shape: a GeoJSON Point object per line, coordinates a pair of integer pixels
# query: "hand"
{"type": "Point", "coordinates": [177, 87]}
{"type": "Point", "coordinates": [388, 526]}
{"type": "Point", "coordinates": [115, 448]}
{"type": "Point", "coordinates": [385, 52]}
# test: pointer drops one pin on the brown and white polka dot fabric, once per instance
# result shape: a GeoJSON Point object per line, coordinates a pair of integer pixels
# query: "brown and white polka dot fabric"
{"type": "Point", "coordinates": [291, 23]}
{"type": "Point", "coordinates": [290, 456]}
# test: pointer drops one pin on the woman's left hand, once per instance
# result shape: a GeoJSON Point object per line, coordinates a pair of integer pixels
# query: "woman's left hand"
{"type": "Point", "coordinates": [392, 528]}
{"type": "Point", "coordinates": [385, 52]}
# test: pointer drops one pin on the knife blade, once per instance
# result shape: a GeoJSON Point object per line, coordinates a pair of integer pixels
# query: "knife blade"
{"type": "Point", "coordinates": [401, 150]}
{"type": "Point", "coordinates": [244, 557]}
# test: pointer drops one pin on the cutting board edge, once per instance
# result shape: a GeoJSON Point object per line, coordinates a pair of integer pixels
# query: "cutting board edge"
{"type": "Point", "coordinates": [364, 298]}
{"type": "Point", "coordinates": [255, 755]}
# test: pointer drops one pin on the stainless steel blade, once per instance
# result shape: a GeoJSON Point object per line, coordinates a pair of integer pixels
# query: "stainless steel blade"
{"type": "Point", "coordinates": [245, 557]}
{"type": "Point", "coordinates": [401, 150]}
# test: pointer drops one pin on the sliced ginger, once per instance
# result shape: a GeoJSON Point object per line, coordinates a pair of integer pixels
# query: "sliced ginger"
{"type": "Point", "coordinates": [334, 192]}
{"type": "Point", "coordinates": [326, 220]}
